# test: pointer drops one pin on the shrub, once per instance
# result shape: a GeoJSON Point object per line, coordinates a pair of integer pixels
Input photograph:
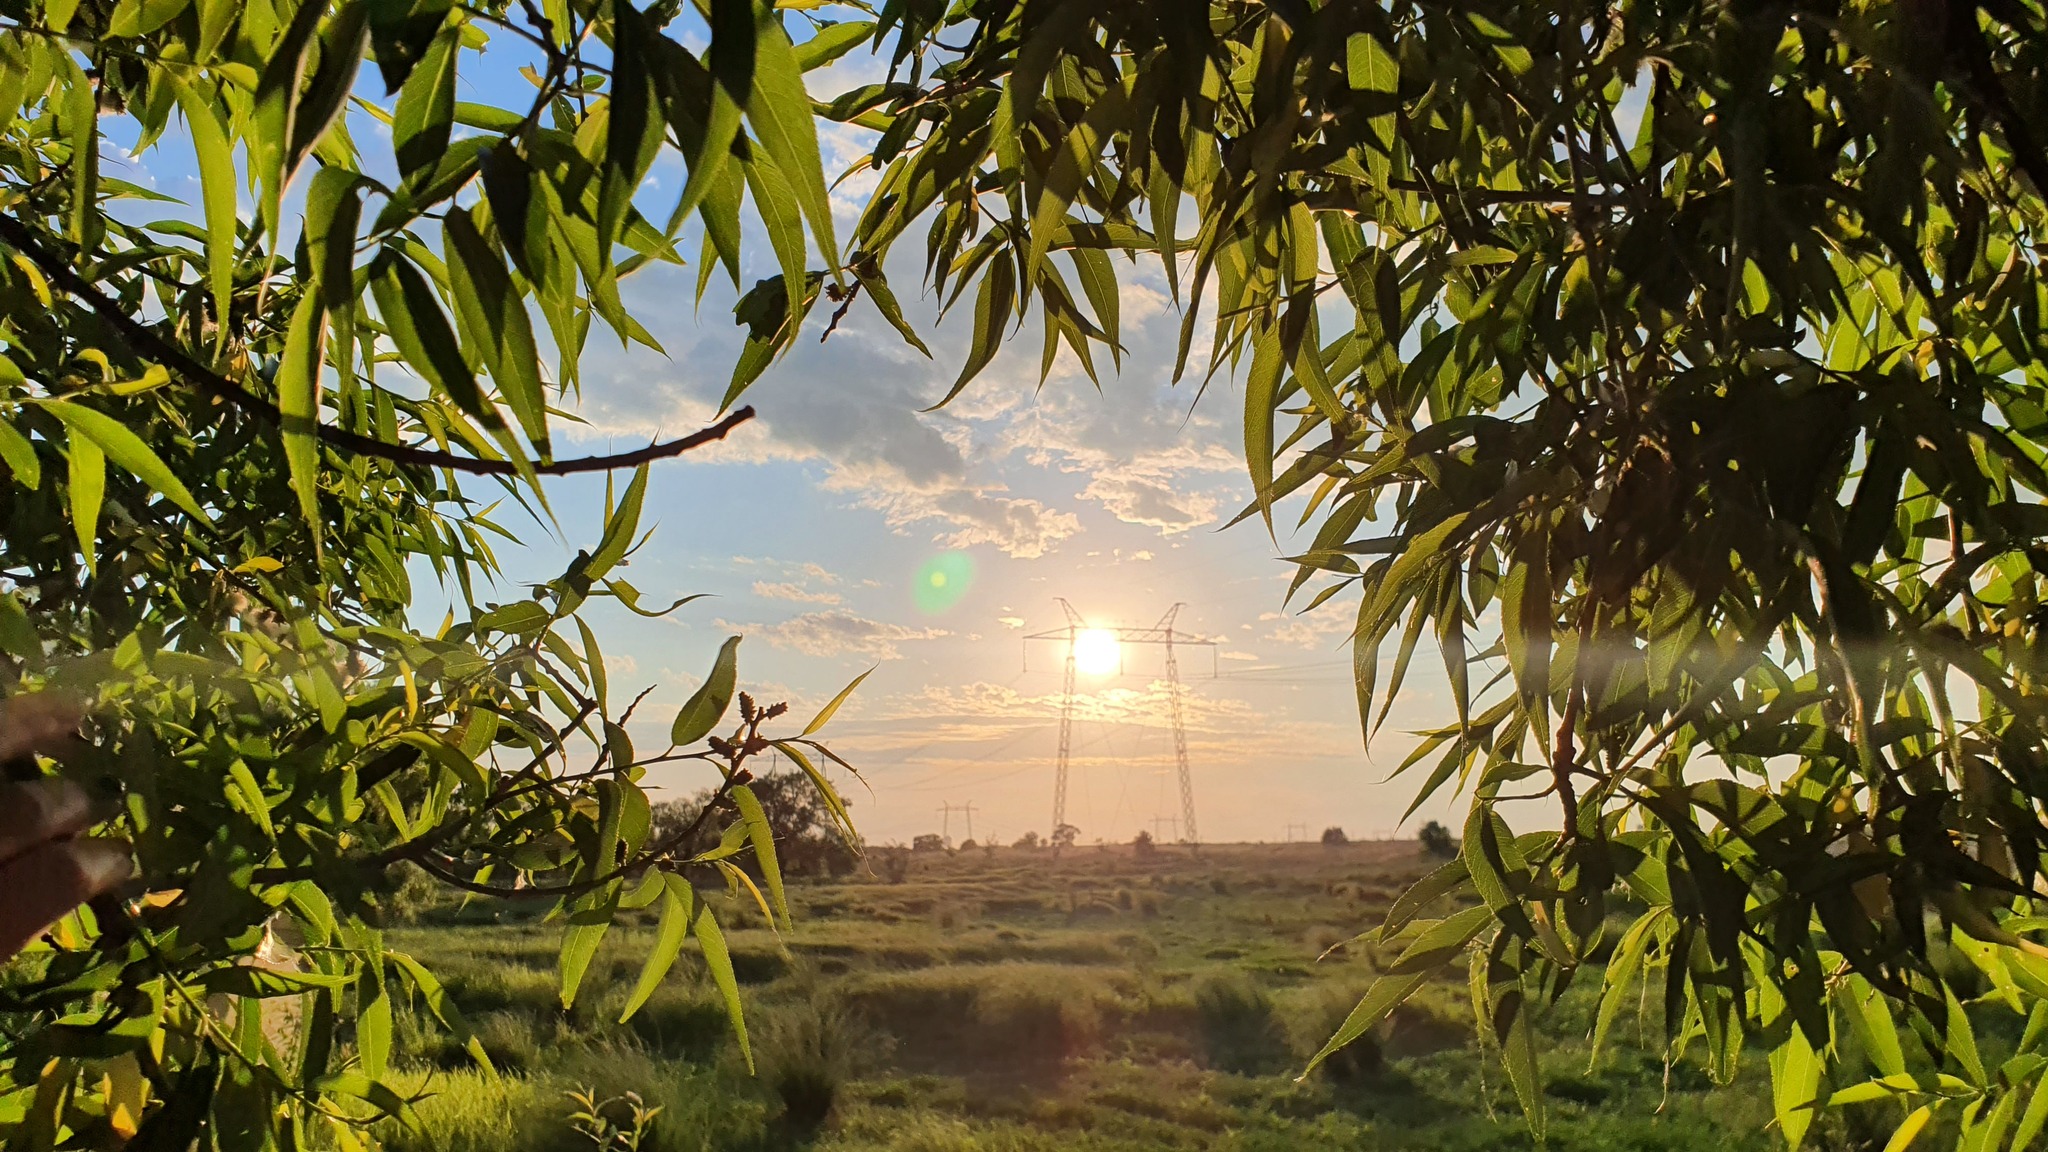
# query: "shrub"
{"type": "Point", "coordinates": [1027, 841]}
{"type": "Point", "coordinates": [1335, 835]}
{"type": "Point", "coordinates": [1437, 840]}
{"type": "Point", "coordinates": [929, 842]}
{"type": "Point", "coordinates": [1141, 844]}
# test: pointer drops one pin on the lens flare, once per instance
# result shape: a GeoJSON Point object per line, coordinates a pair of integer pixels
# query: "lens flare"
{"type": "Point", "coordinates": [1097, 652]}
{"type": "Point", "coordinates": [942, 581]}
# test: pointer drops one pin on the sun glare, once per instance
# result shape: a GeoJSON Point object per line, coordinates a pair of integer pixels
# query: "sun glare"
{"type": "Point", "coordinates": [1097, 652]}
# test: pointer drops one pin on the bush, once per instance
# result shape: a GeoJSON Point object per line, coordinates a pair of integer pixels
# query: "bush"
{"type": "Point", "coordinates": [1027, 841]}
{"type": "Point", "coordinates": [1436, 839]}
{"type": "Point", "coordinates": [929, 842]}
{"type": "Point", "coordinates": [1141, 844]}
{"type": "Point", "coordinates": [1334, 835]}
{"type": "Point", "coordinates": [409, 894]}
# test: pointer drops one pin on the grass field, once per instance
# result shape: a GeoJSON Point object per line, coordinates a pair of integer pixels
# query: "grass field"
{"type": "Point", "coordinates": [1013, 1000]}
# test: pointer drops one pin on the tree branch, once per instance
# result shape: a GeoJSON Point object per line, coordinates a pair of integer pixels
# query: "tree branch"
{"type": "Point", "coordinates": [146, 342]}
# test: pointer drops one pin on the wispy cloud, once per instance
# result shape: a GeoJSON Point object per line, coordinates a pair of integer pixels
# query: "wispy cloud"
{"type": "Point", "coordinates": [787, 590]}
{"type": "Point", "coordinates": [837, 632]}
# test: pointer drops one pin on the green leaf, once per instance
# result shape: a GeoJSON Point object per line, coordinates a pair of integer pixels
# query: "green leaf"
{"type": "Point", "coordinates": [217, 190]}
{"type": "Point", "coordinates": [763, 839]}
{"type": "Point", "coordinates": [831, 42]}
{"type": "Point", "coordinates": [1795, 1086]}
{"type": "Point", "coordinates": [1386, 994]}
{"type": "Point", "coordinates": [1870, 1017]}
{"type": "Point", "coordinates": [88, 474]}
{"type": "Point", "coordinates": [775, 201]}
{"type": "Point", "coordinates": [590, 917]}
{"type": "Point", "coordinates": [373, 1018]}
{"type": "Point", "coordinates": [878, 290]}
{"type": "Point", "coordinates": [334, 207]}
{"type": "Point", "coordinates": [20, 457]}
{"type": "Point", "coordinates": [81, 123]}
{"type": "Point", "coordinates": [991, 320]}
{"type": "Point", "coordinates": [676, 901]}
{"type": "Point", "coordinates": [412, 315]}
{"type": "Point", "coordinates": [1962, 1040]}
{"type": "Point", "coordinates": [443, 1007]}
{"type": "Point", "coordinates": [326, 93]}
{"type": "Point", "coordinates": [279, 92]}
{"type": "Point", "coordinates": [1369, 66]}
{"type": "Point", "coordinates": [264, 983]}
{"type": "Point", "coordinates": [2034, 1118]}
{"type": "Point", "coordinates": [423, 118]}
{"type": "Point", "coordinates": [493, 319]}
{"type": "Point", "coordinates": [719, 960]}
{"type": "Point", "coordinates": [1261, 397]}
{"type": "Point", "coordinates": [830, 795]}
{"type": "Point", "coordinates": [633, 127]}
{"type": "Point", "coordinates": [298, 400]}
{"type": "Point", "coordinates": [825, 714]}
{"type": "Point", "coordinates": [780, 111]}
{"type": "Point", "coordinates": [1620, 978]}
{"type": "Point", "coordinates": [1518, 1055]}
{"type": "Point", "coordinates": [1075, 162]}
{"type": "Point", "coordinates": [124, 448]}
{"type": "Point", "coordinates": [707, 705]}
{"type": "Point", "coordinates": [1909, 1128]}
{"type": "Point", "coordinates": [250, 793]}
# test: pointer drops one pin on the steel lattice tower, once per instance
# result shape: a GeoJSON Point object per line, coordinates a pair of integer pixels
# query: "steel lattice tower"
{"type": "Point", "coordinates": [1162, 633]}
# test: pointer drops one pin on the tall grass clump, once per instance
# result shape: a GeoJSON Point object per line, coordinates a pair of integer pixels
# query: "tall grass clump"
{"type": "Point", "coordinates": [807, 1050]}
{"type": "Point", "coordinates": [1239, 1028]}
{"type": "Point", "coordinates": [470, 1111]}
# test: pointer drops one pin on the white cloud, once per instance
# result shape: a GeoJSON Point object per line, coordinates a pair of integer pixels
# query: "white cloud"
{"type": "Point", "coordinates": [786, 590]}
{"type": "Point", "coordinates": [1141, 500]}
{"type": "Point", "coordinates": [1011, 622]}
{"type": "Point", "coordinates": [1318, 629]}
{"type": "Point", "coordinates": [1019, 527]}
{"type": "Point", "coordinates": [837, 632]}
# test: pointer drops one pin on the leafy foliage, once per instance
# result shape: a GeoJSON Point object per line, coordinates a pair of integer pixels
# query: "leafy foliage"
{"type": "Point", "coordinates": [1675, 371]}
{"type": "Point", "coordinates": [229, 444]}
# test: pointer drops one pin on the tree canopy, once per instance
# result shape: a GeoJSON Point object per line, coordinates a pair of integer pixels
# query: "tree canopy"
{"type": "Point", "coordinates": [232, 439]}
{"type": "Point", "coordinates": [1673, 369]}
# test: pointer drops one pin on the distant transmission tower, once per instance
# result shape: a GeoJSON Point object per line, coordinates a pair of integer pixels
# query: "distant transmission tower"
{"type": "Point", "coordinates": [946, 820]}
{"type": "Point", "coordinates": [1162, 633]}
{"type": "Point", "coordinates": [1170, 821]}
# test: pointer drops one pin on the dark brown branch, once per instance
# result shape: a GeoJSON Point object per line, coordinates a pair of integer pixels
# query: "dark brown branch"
{"type": "Point", "coordinates": [145, 341]}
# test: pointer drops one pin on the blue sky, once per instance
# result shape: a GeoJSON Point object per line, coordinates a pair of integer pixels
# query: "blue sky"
{"type": "Point", "coordinates": [807, 526]}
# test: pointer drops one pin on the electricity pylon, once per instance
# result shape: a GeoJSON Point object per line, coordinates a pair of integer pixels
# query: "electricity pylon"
{"type": "Point", "coordinates": [1162, 633]}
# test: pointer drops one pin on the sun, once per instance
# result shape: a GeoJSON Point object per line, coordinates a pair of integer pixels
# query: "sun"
{"type": "Point", "coordinates": [1097, 652]}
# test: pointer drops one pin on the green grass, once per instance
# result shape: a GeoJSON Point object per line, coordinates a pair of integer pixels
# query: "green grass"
{"type": "Point", "coordinates": [1018, 1002]}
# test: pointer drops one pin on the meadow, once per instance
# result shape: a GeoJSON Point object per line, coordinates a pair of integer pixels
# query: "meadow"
{"type": "Point", "coordinates": [1013, 999]}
